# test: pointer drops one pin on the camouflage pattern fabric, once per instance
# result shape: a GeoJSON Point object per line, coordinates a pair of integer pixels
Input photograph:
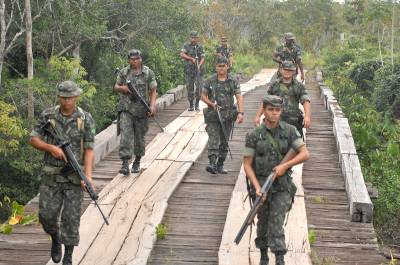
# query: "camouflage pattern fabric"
{"type": "Point", "coordinates": [60, 191]}
{"type": "Point", "coordinates": [286, 53]}
{"type": "Point", "coordinates": [194, 51]}
{"type": "Point", "coordinates": [132, 128]}
{"type": "Point", "coordinates": [225, 51]}
{"type": "Point", "coordinates": [293, 94]}
{"type": "Point", "coordinates": [143, 82]}
{"type": "Point", "coordinates": [265, 157]}
{"type": "Point", "coordinates": [52, 199]}
{"type": "Point", "coordinates": [217, 144]}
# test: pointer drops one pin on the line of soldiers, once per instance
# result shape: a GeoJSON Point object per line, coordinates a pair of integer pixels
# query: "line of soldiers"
{"type": "Point", "coordinates": [61, 190]}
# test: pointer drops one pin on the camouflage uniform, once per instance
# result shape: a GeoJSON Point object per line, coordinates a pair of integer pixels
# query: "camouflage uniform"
{"type": "Point", "coordinates": [133, 119]}
{"type": "Point", "coordinates": [225, 51]}
{"type": "Point", "coordinates": [61, 194]}
{"type": "Point", "coordinates": [223, 94]}
{"type": "Point", "coordinates": [194, 51]}
{"type": "Point", "coordinates": [293, 94]}
{"type": "Point", "coordinates": [271, 216]}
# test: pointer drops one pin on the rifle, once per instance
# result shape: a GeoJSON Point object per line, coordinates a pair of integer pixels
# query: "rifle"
{"type": "Point", "coordinates": [226, 136]}
{"type": "Point", "coordinates": [137, 95]}
{"type": "Point", "coordinates": [197, 77]}
{"type": "Point", "coordinates": [259, 201]}
{"type": "Point", "coordinates": [65, 146]}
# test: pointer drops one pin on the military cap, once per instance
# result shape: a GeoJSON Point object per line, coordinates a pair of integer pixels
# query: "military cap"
{"type": "Point", "coordinates": [289, 36]}
{"type": "Point", "coordinates": [275, 101]}
{"type": "Point", "coordinates": [134, 53]}
{"type": "Point", "coordinates": [68, 89]}
{"type": "Point", "coordinates": [194, 34]}
{"type": "Point", "coordinates": [288, 65]}
{"type": "Point", "coordinates": [222, 60]}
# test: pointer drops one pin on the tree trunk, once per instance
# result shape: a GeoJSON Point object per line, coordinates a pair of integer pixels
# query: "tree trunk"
{"type": "Point", "coordinates": [29, 56]}
{"type": "Point", "coordinates": [392, 40]}
{"type": "Point", "coordinates": [76, 54]}
{"type": "Point", "coordinates": [2, 38]}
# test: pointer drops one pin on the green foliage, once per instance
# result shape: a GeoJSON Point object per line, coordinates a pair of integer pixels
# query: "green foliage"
{"type": "Point", "coordinates": [161, 231]}
{"type": "Point", "coordinates": [312, 236]}
{"type": "Point", "coordinates": [17, 216]}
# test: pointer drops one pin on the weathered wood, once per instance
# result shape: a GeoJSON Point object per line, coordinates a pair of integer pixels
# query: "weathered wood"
{"type": "Point", "coordinates": [344, 138]}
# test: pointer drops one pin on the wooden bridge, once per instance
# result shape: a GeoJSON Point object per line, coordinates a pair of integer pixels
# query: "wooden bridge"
{"type": "Point", "coordinates": [201, 212]}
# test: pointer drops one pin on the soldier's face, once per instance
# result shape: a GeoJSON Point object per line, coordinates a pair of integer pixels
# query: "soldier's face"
{"type": "Point", "coordinates": [222, 69]}
{"type": "Point", "coordinates": [272, 114]}
{"type": "Point", "coordinates": [194, 40]}
{"type": "Point", "coordinates": [67, 103]}
{"type": "Point", "coordinates": [135, 62]}
{"type": "Point", "coordinates": [289, 42]}
{"type": "Point", "coordinates": [287, 74]}
{"type": "Point", "coordinates": [224, 43]}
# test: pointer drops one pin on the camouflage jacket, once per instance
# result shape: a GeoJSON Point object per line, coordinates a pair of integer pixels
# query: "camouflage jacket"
{"type": "Point", "coordinates": [223, 94]}
{"type": "Point", "coordinates": [293, 94]}
{"type": "Point", "coordinates": [143, 82]}
{"type": "Point", "coordinates": [289, 54]}
{"type": "Point", "coordinates": [266, 156]}
{"type": "Point", "coordinates": [225, 51]}
{"type": "Point", "coordinates": [194, 51]}
{"type": "Point", "coordinates": [78, 129]}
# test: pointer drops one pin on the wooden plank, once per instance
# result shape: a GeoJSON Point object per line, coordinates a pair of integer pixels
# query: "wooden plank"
{"type": "Point", "coordinates": [111, 238]}
{"type": "Point", "coordinates": [344, 138]}
{"type": "Point", "coordinates": [195, 147]}
{"type": "Point", "coordinates": [155, 147]}
{"type": "Point", "coordinates": [176, 124]}
{"type": "Point", "coordinates": [176, 146]}
{"type": "Point", "coordinates": [141, 237]}
{"type": "Point", "coordinates": [361, 207]}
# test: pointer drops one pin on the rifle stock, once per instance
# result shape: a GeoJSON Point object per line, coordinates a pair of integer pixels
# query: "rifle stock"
{"type": "Point", "coordinates": [259, 201]}
{"type": "Point", "coordinates": [138, 96]}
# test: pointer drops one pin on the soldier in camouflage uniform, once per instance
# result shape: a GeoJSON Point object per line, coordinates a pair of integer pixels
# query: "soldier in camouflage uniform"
{"type": "Point", "coordinates": [293, 93]}
{"type": "Point", "coordinates": [132, 115]}
{"type": "Point", "coordinates": [265, 147]}
{"type": "Point", "coordinates": [193, 53]}
{"type": "Point", "coordinates": [223, 50]}
{"type": "Point", "coordinates": [290, 51]}
{"type": "Point", "coordinates": [61, 192]}
{"type": "Point", "coordinates": [218, 93]}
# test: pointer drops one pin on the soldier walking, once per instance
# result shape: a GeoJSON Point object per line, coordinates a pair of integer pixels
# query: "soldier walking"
{"type": "Point", "coordinates": [289, 51]}
{"type": "Point", "coordinates": [293, 92]}
{"type": "Point", "coordinates": [61, 192]}
{"type": "Point", "coordinates": [133, 118]}
{"type": "Point", "coordinates": [193, 53]}
{"type": "Point", "coordinates": [265, 147]}
{"type": "Point", "coordinates": [218, 93]}
{"type": "Point", "coordinates": [223, 50]}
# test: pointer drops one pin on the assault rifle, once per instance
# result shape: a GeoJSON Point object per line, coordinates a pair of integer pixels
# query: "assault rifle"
{"type": "Point", "coordinates": [137, 95]}
{"type": "Point", "coordinates": [259, 201]}
{"type": "Point", "coordinates": [73, 163]}
{"type": "Point", "coordinates": [224, 131]}
{"type": "Point", "coordinates": [197, 79]}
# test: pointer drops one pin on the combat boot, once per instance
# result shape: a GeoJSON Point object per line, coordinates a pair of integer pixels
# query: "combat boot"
{"type": "Point", "coordinates": [279, 259]}
{"type": "Point", "coordinates": [67, 260]}
{"type": "Point", "coordinates": [196, 106]}
{"type": "Point", "coordinates": [212, 166]}
{"type": "Point", "coordinates": [136, 165]}
{"type": "Point", "coordinates": [220, 166]}
{"type": "Point", "coordinates": [264, 256]}
{"type": "Point", "coordinates": [191, 107]}
{"type": "Point", "coordinates": [55, 249]}
{"type": "Point", "coordinates": [125, 167]}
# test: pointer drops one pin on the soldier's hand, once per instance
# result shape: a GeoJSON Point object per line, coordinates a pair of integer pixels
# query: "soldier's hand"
{"type": "Point", "coordinates": [302, 78]}
{"type": "Point", "coordinates": [280, 170]}
{"type": "Point", "coordinates": [239, 118]}
{"type": "Point", "coordinates": [256, 121]}
{"type": "Point", "coordinates": [83, 185]}
{"type": "Point", "coordinates": [307, 122]}
{"type": "Point", "coordinates": [193, 60]}
{"type": "Point", "coordinates": [58, 153]}
{"type": "Point", "coordinates": [216, 107]}
{"type": "Point", "coordinates": [153, 110]}
{"type": "Point", "coordinates": [125, 90]}
{"type": "Point", "coordinates": [259, 194]}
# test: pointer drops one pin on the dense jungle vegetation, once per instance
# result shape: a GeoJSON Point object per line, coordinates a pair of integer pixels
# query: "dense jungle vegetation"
{"type": "Point", "coordinates": [356, 43]}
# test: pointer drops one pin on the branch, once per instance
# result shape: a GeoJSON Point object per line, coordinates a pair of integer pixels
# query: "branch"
{"type": "Point", "coordinates": [65, 50]}
{"type": "Point", "coordinates": [11, 44]}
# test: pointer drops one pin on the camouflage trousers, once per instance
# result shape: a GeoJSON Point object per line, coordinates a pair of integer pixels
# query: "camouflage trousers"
{"type": "Point", "coordinates": [193, 86]}
{"type": "Point", "coordinates": [271, 218]}
{"type": "Point", "coordinates": [60, 210]}
{"type": "Point", "coordinates": [133, 130]}
{"type": "Point", "coordinates": [217, 144]}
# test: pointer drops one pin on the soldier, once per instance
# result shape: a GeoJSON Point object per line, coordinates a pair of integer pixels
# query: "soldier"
{"type": "Point", "coordinates": [293, 93]}
{"type": "Point", "coordinates": [194, 55]}
{"type": "Point", "coordinates": [223, 50]}
{"type": "Point", "coordinates": [290, 51]}
{"type": "Point", "coordinates": [218, 93]}
{"type": "Point", "coordinates": [132, 115]}
{"type": "Point", "coordinates": [265, 147]}
{"type": "Point", "coordinates": [61, 192]}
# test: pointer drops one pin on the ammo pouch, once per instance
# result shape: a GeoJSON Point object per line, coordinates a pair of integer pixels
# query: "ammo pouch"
{"type": "Point", "coordinates": [59, 174]}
